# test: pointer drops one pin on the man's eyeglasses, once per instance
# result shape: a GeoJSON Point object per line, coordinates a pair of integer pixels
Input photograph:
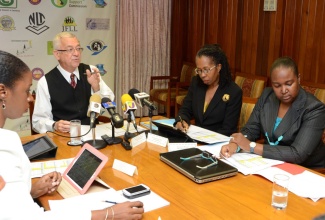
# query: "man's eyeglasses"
{"type": "Point", "coordinates": [71, 50]}
{"type": "Point", "coordinates": [205, 155]}
{"type": "Point", "coordinates": [205, 71]}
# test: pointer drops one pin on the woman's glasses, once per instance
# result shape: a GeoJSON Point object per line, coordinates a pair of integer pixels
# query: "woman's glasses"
{"type": "Point", "coordinates": [205, 155]}
{"type": "Point", "coordinates": [205, 71]}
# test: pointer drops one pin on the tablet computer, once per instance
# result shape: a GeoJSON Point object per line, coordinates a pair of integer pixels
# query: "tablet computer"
{"type": "Point", "coordinates": [42, 147]}
{"type": "Point", "coordinates": [84, 168]}
{"type": "Point", "coordinates": [174, 135]}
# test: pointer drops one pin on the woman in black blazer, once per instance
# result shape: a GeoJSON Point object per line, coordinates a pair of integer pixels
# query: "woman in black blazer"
{"type": "Point", "coordinates": [290, 120]}
{"type": "Point", "coordinates": [213, 99]}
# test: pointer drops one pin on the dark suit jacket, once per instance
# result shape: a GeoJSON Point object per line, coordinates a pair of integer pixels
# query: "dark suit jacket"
{"type": "Point", "coordinates": [301, 128]}
{"type": "Point", "coordinates": [221, 115]}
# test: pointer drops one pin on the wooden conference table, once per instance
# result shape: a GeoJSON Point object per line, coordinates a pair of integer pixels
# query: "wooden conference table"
{"type": "Point", "coordinates": [238, 197]}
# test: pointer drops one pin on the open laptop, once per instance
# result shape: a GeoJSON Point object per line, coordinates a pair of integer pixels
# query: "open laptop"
{"type": "Point", "coordinates": [188, 167]}
{"type": "Point", "coordinates": [82, 171]}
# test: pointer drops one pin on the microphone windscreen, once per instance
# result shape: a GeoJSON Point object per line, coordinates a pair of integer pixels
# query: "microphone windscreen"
{"type": "Point", "coordinates": [105, 99]}
{"type": "Point", "coordinates": [125, 98]}
{"type": "Point", "coordinates": [95, 98]}
{"type": "Point", "coordinates": [132, 92]}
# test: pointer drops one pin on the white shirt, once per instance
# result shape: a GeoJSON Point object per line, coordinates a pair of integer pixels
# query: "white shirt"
{"type": "Point", "coordinates": [42, 116]}
{"type": "Point", "coordinates": [15, 199]}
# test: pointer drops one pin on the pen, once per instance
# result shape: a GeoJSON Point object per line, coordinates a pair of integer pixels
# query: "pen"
{"type": "Point", "coordinates": [110, 202]}
{"type": "Point", "coordinates": [182, 122]}
{"type": "Point", "coordinates": [90, 73]}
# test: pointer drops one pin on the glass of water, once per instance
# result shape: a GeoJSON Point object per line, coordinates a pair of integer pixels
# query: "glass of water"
{"type": "Point", "coordinates": [280, 191]}
{"type": "Point", "coordinates": [75, 131]}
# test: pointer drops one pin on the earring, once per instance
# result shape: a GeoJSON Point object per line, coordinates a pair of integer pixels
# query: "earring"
{"type": "Point", "coordinates": [3, 104]}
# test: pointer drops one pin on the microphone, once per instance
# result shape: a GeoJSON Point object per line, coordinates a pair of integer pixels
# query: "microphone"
{"type": "Point", "coordinates": [128, 106]}
{"type": "Point", "coordinates": [93, 112]}
{"type": "Point", "coordinates": [93, 109]}
{"type": "Point", "coordinates": [141, 98]}
{"type": "Point", "coordinates": [110, 107]}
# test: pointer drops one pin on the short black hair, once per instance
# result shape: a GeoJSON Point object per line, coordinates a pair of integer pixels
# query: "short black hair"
{"type": "Point", "coordinates": [11, 69]}
{"type": "Point", "coordinates": [287, 62]}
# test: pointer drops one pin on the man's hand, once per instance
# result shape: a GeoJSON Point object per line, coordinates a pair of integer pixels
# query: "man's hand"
{"type": "Point", "coordinates": [62, 126]}
{"type": "Point", "coordinates": [93, 79]}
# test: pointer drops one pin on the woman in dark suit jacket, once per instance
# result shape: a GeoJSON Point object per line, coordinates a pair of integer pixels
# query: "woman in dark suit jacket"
{"type": "Point", "coordinates": [213, 99]}
{"type": "Point", "coordinates": [290, 120]}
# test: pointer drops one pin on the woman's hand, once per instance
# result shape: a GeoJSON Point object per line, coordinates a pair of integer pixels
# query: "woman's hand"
{"type": "Point", "coordinates": [128, 210]}
{"type": "Point", "coordinates": [228, 150]}
{"type": "Point", "coordinates": [240, 140]}
{"type": "Point", "coordinates": [182, 125]}
{"type": "Point", "coordinates": [46, 184]}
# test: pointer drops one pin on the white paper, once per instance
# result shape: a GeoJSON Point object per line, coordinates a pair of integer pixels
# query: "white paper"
{"type": "Point", "coordinates": [125, 167]}
{"type": "Point", "coordinates": [205, 135]}
{"type": "Point", "coordinates": [156, 139]}
{"type": "Point", "coordinates": [39, 169]}
{"type": "Point", "coordinates": [139, 139]}
{"type": "Point", "coordinates": [214, 149]}
{"type": "Point", "coordinates": [181, 146]}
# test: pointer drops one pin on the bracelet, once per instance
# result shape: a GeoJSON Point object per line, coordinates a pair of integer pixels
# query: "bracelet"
{"type": "Point", "coordinates": [106, 214]}
{"type": "Point", "coordinates": [112, 213]}
{"type": "Point", "coordinates": [238, 149]}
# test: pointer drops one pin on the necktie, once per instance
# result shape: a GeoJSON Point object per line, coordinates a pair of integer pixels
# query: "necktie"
{"type": "Point", "coordinates": [73, 82]}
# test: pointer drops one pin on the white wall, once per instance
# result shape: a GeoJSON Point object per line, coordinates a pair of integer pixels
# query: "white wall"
{"type": "Point", "coordinates": [27, 29]}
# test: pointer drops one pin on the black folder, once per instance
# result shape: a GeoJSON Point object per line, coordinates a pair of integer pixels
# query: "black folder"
{"type": "Point", "coordinates": [189, 167]}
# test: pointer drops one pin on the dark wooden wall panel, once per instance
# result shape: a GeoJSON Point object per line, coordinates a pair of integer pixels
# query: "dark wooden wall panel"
{"type": "Point", "coordinates": [252, 38]}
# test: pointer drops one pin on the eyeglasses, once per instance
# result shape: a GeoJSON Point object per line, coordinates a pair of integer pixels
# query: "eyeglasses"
{"type": "Point", "coordinates": [205, 155]}
{"type": "Point", "coordinates": [205, 71]}
{"type": "Point", "coordinates": [273, 143]}
{"type": "Point", "coordinates": [71, 50]}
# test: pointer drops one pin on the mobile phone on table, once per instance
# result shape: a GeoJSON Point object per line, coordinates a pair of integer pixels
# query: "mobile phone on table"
{"type": "Point", "coordinates": [136, 191]}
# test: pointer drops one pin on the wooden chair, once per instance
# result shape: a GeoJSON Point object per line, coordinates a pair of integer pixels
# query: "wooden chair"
{"type": "Point", "coordinates": [166, 95]}
{"type": "Point", "coordinates": [246, 111]}
{"type": "Point", "coordinates": [180, 97]}
{"type": "Point", "coordinates": [252, 85]}
{"type": "Point", "coordinates": [317, 89]}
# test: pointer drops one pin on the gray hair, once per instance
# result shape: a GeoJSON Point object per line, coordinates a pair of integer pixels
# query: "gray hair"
{"type": "Point", "coordinates": [59, 36]}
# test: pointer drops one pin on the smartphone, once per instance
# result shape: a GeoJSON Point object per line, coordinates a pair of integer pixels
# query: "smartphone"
{"type": "Point", "coordinates": [136, 191]}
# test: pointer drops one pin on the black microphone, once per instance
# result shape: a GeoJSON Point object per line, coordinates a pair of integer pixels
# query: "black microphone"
{"type": "Point", "coordinates": [141, 98]}
{"type": "Point", "coordinates": [110, 106]}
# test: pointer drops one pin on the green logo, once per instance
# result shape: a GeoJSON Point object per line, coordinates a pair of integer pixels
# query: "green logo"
{"type": "Point", "coordinates": [59, 3]}
{"type": "Point", "coordinates": [7, 3]}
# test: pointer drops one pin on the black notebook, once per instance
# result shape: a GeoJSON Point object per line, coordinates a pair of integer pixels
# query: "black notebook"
{"type": "Point", "coordinates": [181, 161]}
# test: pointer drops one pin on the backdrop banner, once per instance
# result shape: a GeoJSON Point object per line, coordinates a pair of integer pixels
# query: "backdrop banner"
{"type": "Point", "coordinates": [27, 28]}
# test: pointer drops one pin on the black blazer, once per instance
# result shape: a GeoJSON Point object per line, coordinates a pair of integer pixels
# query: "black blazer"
{"type": "Point", "coordinates": [222, 114]}
{"type": "Point", "coordinates": [301, 128]}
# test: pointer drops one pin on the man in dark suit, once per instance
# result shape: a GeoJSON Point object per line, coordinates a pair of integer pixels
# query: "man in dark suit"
{"type": "Point", "coordinates": [290, 120]}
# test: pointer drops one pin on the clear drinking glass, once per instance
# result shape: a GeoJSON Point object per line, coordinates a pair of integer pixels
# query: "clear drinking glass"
{"type": "Point", "coordinates": [280, 191]}
{"type": "Point", "coordinates": [75, 130]}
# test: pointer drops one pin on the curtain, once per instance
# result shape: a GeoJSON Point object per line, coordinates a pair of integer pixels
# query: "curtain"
{"type": "Point", "coordinates": [142, 45]}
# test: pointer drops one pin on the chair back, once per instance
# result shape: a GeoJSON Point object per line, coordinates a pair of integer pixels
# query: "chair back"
{"type": "Point", "coordinates": [246, 111]}
{"type": "Point", "coordinates": [188, 71]}
{"type": "Point", "coordinates": [317, 89]}
{"type": "Point", "coordinates": [252, 85]}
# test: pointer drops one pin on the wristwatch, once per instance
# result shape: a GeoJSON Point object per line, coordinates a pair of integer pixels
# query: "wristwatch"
{"type": "Point", "coordinates": [252, 145]}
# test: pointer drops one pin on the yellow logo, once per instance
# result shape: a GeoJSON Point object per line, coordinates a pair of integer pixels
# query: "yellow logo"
{"type": "Point", "coordinates": [226, 97]}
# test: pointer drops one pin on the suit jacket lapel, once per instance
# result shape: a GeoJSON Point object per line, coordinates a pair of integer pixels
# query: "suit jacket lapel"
{"type": "Point", "coordinates": [292, 114]}
{"type": "Point", "coordinates": [269, 114]}
{"type": "Point", "coordinates": [214, 101]}
{"type": "Point", "coordinates": [200, 93]}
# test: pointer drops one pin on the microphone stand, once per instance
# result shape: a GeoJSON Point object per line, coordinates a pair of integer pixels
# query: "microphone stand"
{"type": "Point", "coordinates": [127, 134]}
{"type": "Point", "coordinates": [98, 144]}
{"type": "Point", "coordinates": [113, 139]}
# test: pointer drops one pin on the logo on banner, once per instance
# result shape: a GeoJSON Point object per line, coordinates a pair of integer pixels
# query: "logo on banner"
{"type": "Point", "coordinates": [8, 4]}
{"type": "Point", "coordinates": [100, 3]}
{"type": "Point", "coordinates": [7, 23]}
{"type": "Point", "coordinates": [69, 24]}
{"type": "Point", "coordinates": [97, 23]}
{"type": "Point", "coordinates": [96, 46]}
{"type": "Point", "coordinates": [37, 73]}
{"type": "Point", "coordinates": [36, 21]}
{"type": "Point", "coordinates": [59, 3]}
{"type": "Point", "coordinates": [24, 47]}
{"type": "Point", "coordinates": [35, 2]}
{"type": "Point", "coordinates": [78, 3]}
{"type": "Point", "coordinates": [101, 69]}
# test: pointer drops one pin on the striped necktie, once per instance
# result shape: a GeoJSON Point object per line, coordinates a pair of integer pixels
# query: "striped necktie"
{"type": "Point", "coordinates": [73, 82]}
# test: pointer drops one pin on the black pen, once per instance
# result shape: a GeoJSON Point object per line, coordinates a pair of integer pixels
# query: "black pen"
{"type": "Point", "coordinates": [90, 73]}
{"type": "Point", "coordinates": [110, 202]}
{"type": "Point", "coordinates": [182, 122]}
